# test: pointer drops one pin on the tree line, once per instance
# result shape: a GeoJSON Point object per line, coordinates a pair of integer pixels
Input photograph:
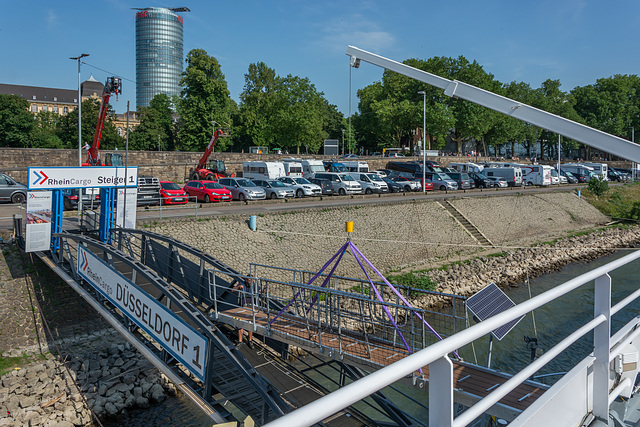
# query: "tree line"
{"type": "Point", "coordinates": [289, 113]}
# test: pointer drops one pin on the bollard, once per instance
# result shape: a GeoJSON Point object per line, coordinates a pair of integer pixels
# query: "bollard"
{"type": "Point", "coordinates": [253, 222]}
{"type": "Point", "coordinates": [578, 193]}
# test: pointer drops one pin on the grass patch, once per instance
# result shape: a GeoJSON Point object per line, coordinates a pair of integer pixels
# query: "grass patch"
{"type": "Point", "coordinates": [413, 280]}
{"type": "Point", "coordinates": [620, 202]}
{"type": "Point", "coordinates": [8, 364]}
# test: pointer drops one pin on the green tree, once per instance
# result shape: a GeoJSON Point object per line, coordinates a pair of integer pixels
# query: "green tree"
{"type": "Point", "coordinates": [156, 130]}
{"type": "Point", "coordinates": [257, 106]}
{"type": "Point", "coordinates": [16, 122]}
{"type": "Point", "coordinates": [46, 129]}
{"type": "Point", "coordinates": [205, 98]}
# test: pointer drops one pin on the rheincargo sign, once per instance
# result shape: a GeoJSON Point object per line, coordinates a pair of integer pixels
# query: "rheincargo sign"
{"type": "Point", "coordinates": [179, 339]}
{"type": "Point", "coordinates": [81, 177]}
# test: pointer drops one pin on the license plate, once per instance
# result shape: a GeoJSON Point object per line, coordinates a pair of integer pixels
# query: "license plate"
{"type": "Point", "coordinates": [178, 200]}
{"type": "Point", "coordinates": [147, 197]}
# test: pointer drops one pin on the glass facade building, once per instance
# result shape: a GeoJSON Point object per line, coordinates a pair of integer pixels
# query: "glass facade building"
{"type": "Point", "coordinates": [159, 47]}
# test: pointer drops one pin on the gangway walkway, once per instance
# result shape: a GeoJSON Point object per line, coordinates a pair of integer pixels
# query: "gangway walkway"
{"type": "Point", "coordinates": [341, 321]}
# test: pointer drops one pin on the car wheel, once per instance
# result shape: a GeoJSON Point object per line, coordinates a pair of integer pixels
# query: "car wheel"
{"type": "Point", "coordinates": [241, 197]}
{"type": "Point", "coordinates": [299, 193]}
{"type": "Point", "coordinates": [368, 191]}
{"type": "Point", "coordinates": [67, 205]}
{"type": "Point", "coordinates": [207, 199]}
{"type": "Point", "coordinates": [274, 196]}
{"type": "Point", "coordinates": [529, 184]}
{"type": "Point", "coordinates": [194, 176]}
{"type": "Point", "coordinates": [480, 185]}
{"type": "Point", "coordinates": [211, 177]}
{"type": "Point", "coordinates": [342, 192]}
{"type": "Point", "coordinates": [443, 188]}
{"type": "Point", "coordinates": [18, 198]}
{"type": "Point", "coordinates": [407, 188]}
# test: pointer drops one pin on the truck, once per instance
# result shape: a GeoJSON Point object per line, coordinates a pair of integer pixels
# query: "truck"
{"type": "Point", "coordinates": [215, 169]}
{"type": "Point", "coordinates": [112, 85]}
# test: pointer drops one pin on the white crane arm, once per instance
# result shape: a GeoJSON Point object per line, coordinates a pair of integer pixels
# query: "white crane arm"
{"type": "Point", "coordinates": [573, 130]}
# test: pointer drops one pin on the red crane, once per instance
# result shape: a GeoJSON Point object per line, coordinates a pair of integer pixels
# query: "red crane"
{"type": "Point", "coordinates": [113, 85]}
{"type": "Point", "coordinates": [216, 169]}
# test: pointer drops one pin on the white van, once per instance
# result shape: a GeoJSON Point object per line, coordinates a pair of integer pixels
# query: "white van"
{"type": "Point", "coordinates": [356, 166]}
{"type": "Point", "coordinates": [342, 183]}
{"type": "Point", "coordinates": [370, 182]}
{"type": "Point", "coordinates": [293, 169]}
{"type": "Point", "coordinates": [311, 166]}
{"type": "Point", "coordinates": [601, 169]}
{"type": "Point", "coordinates": [467, 167]}
{"type": "Point", "coordinates": [263, 170]}
{"type": "Point", "coordinates": [536, 174]}
{"type": "Point", "coordinates": [513, 176]}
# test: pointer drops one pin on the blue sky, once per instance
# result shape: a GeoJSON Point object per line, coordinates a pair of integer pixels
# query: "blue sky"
{"type": "Point", "coordinates": [574, 41]}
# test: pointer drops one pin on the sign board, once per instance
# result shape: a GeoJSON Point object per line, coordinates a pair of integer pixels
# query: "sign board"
{"type": "Point", "coordinates": [178, 338]}
{"type": "Point", "coordinates": [126, 207]}
{"type": "Point", "coordinates": [51, 178]}
{"type": "Point", "coordinates": [331, 147]}
{"type": "Point", "coordinates": [38, 230]}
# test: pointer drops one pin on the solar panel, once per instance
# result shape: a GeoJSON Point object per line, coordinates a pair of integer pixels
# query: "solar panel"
{"type": "Point", "coordinates": [489, 302]}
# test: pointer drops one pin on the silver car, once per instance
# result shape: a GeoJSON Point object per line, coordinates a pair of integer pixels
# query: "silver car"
{"type": "Point", "coordinates": [302, 186]}
{"type": "Point", "coordinates": [242, 189]}
{"type": "Point", "coordinates": [11, 190]}
{"type": "Point", "coordinates": [275, 189]}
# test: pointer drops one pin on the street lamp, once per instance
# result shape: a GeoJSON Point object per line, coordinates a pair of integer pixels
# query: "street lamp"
{"type": "Point", "coordinates": [78, 58]}
{"type": "Point", "coordinates": [424, 134]}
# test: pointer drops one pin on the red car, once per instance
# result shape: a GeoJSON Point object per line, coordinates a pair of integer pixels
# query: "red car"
{"type": "Point", "coordinates": [428, 186]}
{"type": "Point", "coordinates": [207, 191]}
{"type": "Point", "coordinates": [172, 194]}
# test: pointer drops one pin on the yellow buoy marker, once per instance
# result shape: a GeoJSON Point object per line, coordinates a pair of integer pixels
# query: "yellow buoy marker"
{"type": "Point", "coordinates": [348, 227]}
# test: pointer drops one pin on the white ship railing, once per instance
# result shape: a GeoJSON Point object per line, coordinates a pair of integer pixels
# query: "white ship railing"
{"type": "Point", "coordinates": [441, 403]}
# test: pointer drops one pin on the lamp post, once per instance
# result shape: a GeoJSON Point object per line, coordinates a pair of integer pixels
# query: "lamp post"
{"type": "Point", "coordinates": [424, 139]}
{"type": "Point", "coordinates": [342, 141]}
{"type": "Point", "coordinates": [78, 58]}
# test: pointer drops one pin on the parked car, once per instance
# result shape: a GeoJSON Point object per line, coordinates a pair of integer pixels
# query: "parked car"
{"type": "Point", "coordinates": [342, 183]}
{"type": "Point", "coordinates": [613, 175]}
{"type": "Point", "coordinates": [380, 173]}
{"type": "Point", "coordinates": [428, 186]}
{"type": "Point", "coordinates": [409, 184]}
{"type": "Point", "coordinates": [498, 181]}
{"type": "Point", "coordinates": [377, 153]}
{"type": "Point", "coordinates": [570, 178]}
{"type": "Point", "coordinates": [275, 189]}
{"type": "Point", "coordinates": [626, 174]}
{"type": "Point", "coordinates": [172, 194]}
{"type": "Point", "coordinates": [71, 197]}
{"type": "Point", "coordinates": [481, 181]}
{"type": "Point", "coordinates": [442, 181]}
{"type": "Point", "coordinates": [395, 155]}
{"type": "Point", "coordinates": [148, 190]}
{"type": "Point", "coordinates": [349, 156]}
{"type": "Point", "coordinates": [463, 179]}
{"type": "Point", "coordinates": [12, 190]}
{"type": "Point", "coordinates": [208, 191]}
{"type": "Point", "coordinates": [302, 186]}
{"type": "Point", "coordinates": [242, 189]}
{"type": "Point", "coordinates": [394, 187]}
{"type": "Point", "coordinates": [370, 182]}
{"type": "Point", "coordinates": [324, 184]}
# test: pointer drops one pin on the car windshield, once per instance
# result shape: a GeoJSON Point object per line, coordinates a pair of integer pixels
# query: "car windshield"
{"type": "Point", "coordinates": [169, 186]}
{"type": "Point", "coordinates": [212, 185]}
{"type": "Point", "coordinates": [245, 183]}
{"type": "Point", "coordinates": [277, 184]}
{"type": "Point", "coordinates": [346, 177]}
{"type": "Point", "coordinates": [443, 176]}
{"type": "Point", "coordinates": [568, 174]}
{"type": "Point", "coordinates": [301, 181]}
{"type": "Point", "coordinates": [480, 176]}
{"type": "Point", "coordinates": [375, 177]}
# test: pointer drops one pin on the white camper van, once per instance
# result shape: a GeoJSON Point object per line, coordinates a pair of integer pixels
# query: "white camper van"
{"type": "Point", "coordinates": [311, 167]}
{"type": "Point", "coordinates": [356, 166]}
{"type": "Point", "coordinates": [293, 167]}
{"type": "Point", "coordinates": [536, 174]}
{"type": "Point", "coordinates": [262, 170]}
{"type": "Point", "coordinates": [601, 169]}
{"type": "Point", "coordinates": [513, 176]}
{"type": "Point", "coordinates": [467, 167]}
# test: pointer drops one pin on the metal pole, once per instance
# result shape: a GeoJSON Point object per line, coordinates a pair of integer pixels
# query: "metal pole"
{"type": "Point", "coordinates": [559, 158]}
{"type": "Point", "coordinates": [424, 140]}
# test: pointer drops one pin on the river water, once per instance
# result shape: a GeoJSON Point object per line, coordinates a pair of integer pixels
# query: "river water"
{"type": "Point", "coordinates": [550, 324]}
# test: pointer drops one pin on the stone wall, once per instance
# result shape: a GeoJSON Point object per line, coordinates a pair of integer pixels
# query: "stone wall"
{"type": "Point", "coordinates": [175, 165]}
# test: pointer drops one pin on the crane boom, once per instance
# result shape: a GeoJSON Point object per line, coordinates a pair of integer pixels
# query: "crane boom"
{"type": "Point", "coordinates": [518, 110]}
{"type": "Point", "coordinates": [207, 152]}
{"type": "Point", "coordinates": [113, 85]}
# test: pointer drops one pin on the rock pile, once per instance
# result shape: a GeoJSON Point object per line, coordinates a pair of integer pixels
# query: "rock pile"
{"type": "Point", "coordinates": [110, 381]}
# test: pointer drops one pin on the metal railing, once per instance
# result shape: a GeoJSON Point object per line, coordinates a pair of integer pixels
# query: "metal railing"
{"type": "Point", "coordinates": [441, 391]}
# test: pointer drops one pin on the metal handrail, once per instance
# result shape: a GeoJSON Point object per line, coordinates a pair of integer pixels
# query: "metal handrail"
{"type": "Point", "coordinates": [358, 390]}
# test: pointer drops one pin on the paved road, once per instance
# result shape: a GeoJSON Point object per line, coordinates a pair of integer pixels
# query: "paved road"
{"type": "Point", "coordinates": [266, 206]}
